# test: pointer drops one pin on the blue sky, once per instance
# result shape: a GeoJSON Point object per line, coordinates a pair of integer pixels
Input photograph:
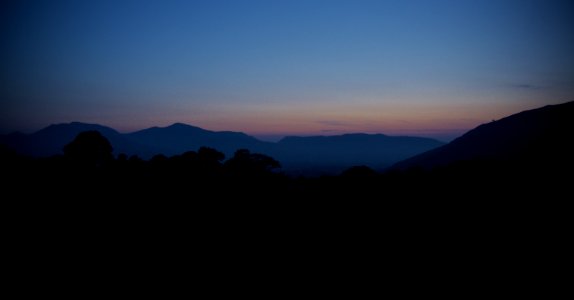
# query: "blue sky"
{"type": "Point", "coordinates": [278, 67]}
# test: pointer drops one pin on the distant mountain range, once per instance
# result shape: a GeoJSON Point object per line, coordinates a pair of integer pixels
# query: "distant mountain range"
{"type": "Point", "coordinates": [539, 136]}
{"type": "Point", "coordinates": [542, 136]}
{"type": "Point", "coordinates": [535, 137]}
{"type": "Point", "coordinates": [303, 155]}
{"type": "Point", "coordinates": [179, 138]}
{"type": "Point", "coordinates": [333, 153]}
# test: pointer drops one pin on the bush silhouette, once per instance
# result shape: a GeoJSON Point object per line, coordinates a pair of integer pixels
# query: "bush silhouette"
{"type": "Point", "coordinates": [89, 149]}
{"type": "Point", "coordinates": [246, 163]}
{"type": "Point", "coordinates": [359, 172]}
{"type": "Point", "coordinates": [210, 155]}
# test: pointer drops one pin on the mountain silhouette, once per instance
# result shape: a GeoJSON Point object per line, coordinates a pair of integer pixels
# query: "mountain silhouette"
{"type": "Point", "coordinates": [535, 137]}
{"type": "Point", "coordinates": [178, 138]}
{"type": "Point", "coordinates": [314, 155]}
{"type": "Point", "coordinates": [51, 140]}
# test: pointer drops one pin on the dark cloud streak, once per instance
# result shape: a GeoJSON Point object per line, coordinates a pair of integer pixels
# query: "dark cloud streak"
{"type": "Point", "coordinates": [527, 86]}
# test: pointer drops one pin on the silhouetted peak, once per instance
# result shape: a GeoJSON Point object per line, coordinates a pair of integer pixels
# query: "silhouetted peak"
{"type": "Point", "coordinates": [183, 126]}
{"type": "Point", "coordinates": [75, 123]}
{"type": "Point", "coordinates": [175, 128]}
{"type": "Point", "coordinates": [76, 127]}
{"type": "Point", "coordinates": [526, 123]}
{"type": "Point", "coordinates": [540, 134]}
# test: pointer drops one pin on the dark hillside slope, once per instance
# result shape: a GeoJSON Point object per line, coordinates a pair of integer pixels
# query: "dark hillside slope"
{"type": "Point", "coordinates": [538, 137]}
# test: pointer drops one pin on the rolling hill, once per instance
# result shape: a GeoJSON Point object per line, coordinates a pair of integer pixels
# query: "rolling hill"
{"type": "Point", "coordinates": [535, 137]}
{"type": "Point", "coordinates": [179, 138]}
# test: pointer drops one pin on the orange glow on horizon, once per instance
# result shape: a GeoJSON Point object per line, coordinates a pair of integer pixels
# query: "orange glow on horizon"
{"type": "Point", "coordinates": [396, 120]}
{"type": "Point", "coordinates": [390, 118]}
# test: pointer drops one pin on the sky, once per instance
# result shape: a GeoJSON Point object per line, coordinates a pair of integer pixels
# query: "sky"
{"type": "Point", "coordinates": [283, 67]}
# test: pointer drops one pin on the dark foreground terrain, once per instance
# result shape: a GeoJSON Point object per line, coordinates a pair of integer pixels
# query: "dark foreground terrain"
{"type": "Point", "coordinates": [88, 177]}
{"type": "Point", "coordinates": [87, 211]}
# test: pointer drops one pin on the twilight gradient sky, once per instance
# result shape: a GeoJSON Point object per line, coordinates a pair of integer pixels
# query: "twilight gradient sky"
{"type": "Point", "coordinates": [276, 67]}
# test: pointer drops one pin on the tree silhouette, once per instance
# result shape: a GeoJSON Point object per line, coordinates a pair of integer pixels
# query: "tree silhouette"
{"type": "Point", "coordinates": [359, 172]}
{"type": "Point", "coordinates": [210, 155]}
{"type": "Point", "coordinates": [246, 163]}
{"type": "Point", "coordinates": [89, 149]}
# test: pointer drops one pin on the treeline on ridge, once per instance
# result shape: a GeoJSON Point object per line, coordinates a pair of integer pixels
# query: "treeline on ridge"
{"type": "Point", "coordinates": [88, 168]}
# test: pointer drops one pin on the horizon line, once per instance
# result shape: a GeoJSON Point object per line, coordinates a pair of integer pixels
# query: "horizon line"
{"type": "Point", "coordinates": [443, 135]}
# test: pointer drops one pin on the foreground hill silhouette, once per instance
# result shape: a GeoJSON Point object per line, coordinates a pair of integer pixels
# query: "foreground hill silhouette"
{"type": "Point", "coordinates": [88, 185]}
{"type": "Point", "coordinates": [298, 155]}
{"type": "Point", "coordinates": [538, 138]}
{"type": "Point", "coordinates": [89, 198]}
